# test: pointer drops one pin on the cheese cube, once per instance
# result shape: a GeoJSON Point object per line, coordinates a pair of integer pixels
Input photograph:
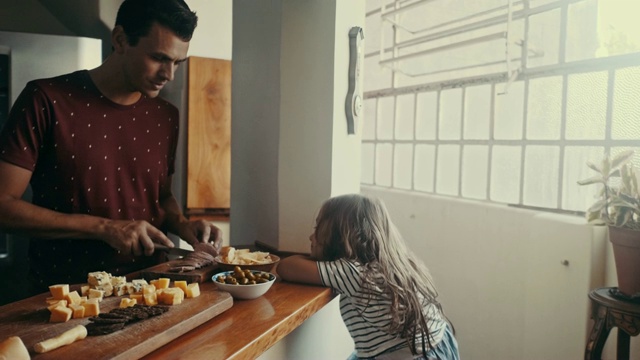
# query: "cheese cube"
{"type": "Point", "coordinates": [182, 284]}
{"type": "Point", "coordinates": [163, 283]}
{"type": "Point", "coordinates": [119, 289]}
{"type": "Point", "coordinates": [51, 300]}
{"type": "Point", "coordinates": [126, 302]}
{"type": "Point", "coordinates": [96, 294]}
{"type": "Point", "coordinates": [91, 307]}
{"type": "Point", "coordinates": [106, 288]}
{"type": "Point", "coordinates": [98, 278]}
{"type": "Point", "coordinates": [62, 303]}
{"type": "Point", "coordinates": [74, 298]}
{"type": "Point", "coordinates": [84, 290]}
{"type": "Point", "coordinates": [172, 296]}
{"type": "Point", "coordinates": [59, 291]}
{"type": "Point", "coordinates": [118, 280]}
{"type": "Point", "coordinates": [193, 290]}
{"type": "Point", "coordinates": [60, 314]}
{"type": "Point", "coordinates": [138, 297]}
{"type": "Point", "coordinates": [135, 287]}
{"type": "Point", "coordinates": [151, 298]}
{"type": "Point", "coordinates": [148, 289]}
{"type": "Point", "coordinates": [78, 311]}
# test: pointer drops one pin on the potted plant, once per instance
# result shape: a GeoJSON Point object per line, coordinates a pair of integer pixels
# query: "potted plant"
{"type": "Point", "coordinates": [618, 207]}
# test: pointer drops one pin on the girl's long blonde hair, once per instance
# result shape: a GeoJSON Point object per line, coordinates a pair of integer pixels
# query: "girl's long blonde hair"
{"type": "Point", "coordinates": [357, 227]}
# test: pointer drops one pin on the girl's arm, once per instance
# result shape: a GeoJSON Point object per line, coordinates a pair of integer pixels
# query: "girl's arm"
{"type": "Point", "coordinates": [299, 268]}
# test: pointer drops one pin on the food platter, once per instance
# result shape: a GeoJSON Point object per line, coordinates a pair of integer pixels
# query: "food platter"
{"type": "Point", "coordinates": [267, 265]}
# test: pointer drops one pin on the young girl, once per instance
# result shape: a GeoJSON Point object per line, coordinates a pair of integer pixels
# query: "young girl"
{"type": "Point", "coordinates": [388, 300]}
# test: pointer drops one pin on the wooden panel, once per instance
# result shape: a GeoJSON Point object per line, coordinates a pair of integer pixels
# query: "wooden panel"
{"type": "Point", "coordinates": [209, 133]}
{"type": "Point", "coordinates": [28, 319]}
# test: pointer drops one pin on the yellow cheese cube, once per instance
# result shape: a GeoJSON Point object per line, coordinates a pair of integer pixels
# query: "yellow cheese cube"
{"type": "Point", "coordinates": [84, 290]}
{"type": "Point", "coordinates": [91, 307]}
{"type": "Point", "coordinates": [62, 303]}
{"type": "Point", "coordinates": [78, 311]}
{"type": "Point", "coordinates": [172, 296]}
{"type": "Point", "coordinates": [163, 283]}
{"type": "Point", "coordinates": [193, 290]}
{"type": "Point", "coordinates": [148, 289]}
{"type": "Point", "coordinates": [150, 299]}
{"type": "Point", "coordinates": [59, 291]}
{"type": "Point", "coordinates": [154, 282]}
{"type": "Point", "coordinates": [138, 297]}
{"type": "Point", "coordinates": [74, 298]}
{"type": "Point", "coordinates": [126, 302]}
{"type": "Point", "coordinates": [51, 301]}
{"type": "Point", "coordinates": [60, 314]}
{"type": "Point", "coordinates": [96, 294]}
{"type": "Point", "coordinates": [182, 284]}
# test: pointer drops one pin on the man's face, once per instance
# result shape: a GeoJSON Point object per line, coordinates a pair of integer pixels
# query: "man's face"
{"type": "Point", "coordinates": [152, 62]}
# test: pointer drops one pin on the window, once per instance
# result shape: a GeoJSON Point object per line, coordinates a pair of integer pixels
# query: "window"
{"type": "Point", "coordinates": [498, 100]}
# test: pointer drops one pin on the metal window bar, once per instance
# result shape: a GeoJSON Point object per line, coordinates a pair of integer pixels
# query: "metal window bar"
{"type": "Point", "coordinates": [508, 18]}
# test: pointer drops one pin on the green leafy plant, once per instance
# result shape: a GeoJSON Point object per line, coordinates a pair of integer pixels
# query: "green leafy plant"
{"type": "Point", "coordinates": [618, 204]}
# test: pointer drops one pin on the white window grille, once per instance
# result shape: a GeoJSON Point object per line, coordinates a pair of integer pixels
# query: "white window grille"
{"type": "Point", "coordinates": [499, 100]}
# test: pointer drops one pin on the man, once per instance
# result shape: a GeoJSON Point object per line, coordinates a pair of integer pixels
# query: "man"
{"type": "Point", "coordinates": [98, 148]}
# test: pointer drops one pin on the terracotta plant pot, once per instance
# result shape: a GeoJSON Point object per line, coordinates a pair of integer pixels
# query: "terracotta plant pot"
{"type": "Point", "coordinates": [626, 252]}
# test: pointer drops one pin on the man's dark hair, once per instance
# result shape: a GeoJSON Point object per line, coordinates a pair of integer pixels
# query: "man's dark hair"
{"type": "Point", "coordinates": [137, 16]}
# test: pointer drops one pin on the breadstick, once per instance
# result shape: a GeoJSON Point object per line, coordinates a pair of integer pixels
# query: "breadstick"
{"type": "Point", "coordinates": [66, 338]}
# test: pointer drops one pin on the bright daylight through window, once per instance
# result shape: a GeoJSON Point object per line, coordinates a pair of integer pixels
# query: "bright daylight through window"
{"type": "Point", "coordinates": [499, 100]}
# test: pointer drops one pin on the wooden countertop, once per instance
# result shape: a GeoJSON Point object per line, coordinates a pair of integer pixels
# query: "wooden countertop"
{"type": "Point", "coordinates": [250, 327]}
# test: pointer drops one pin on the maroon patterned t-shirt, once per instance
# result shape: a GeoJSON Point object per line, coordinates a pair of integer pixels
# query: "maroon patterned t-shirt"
{"type": "Point", "coordinates": [91, 156]}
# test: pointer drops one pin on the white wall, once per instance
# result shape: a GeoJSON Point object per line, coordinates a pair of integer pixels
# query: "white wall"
{"type": "Point", "coordinates": [290, 74]}
{"type": "Point", "coordinates": [213, 36]}
{"type": "Point", "coordinates": [500, 273]}
{"type": "Point", "coordinates": [64, 54]}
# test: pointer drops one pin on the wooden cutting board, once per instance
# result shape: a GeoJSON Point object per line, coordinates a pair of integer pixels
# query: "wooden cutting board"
{"type": "Point", "coordinates": [29, 318]}
{"type": "Point", "coordinates": [201, 275]}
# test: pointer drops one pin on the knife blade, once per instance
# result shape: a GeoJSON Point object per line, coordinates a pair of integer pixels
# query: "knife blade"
{"type": "Point", "coordinates": [174, 250]}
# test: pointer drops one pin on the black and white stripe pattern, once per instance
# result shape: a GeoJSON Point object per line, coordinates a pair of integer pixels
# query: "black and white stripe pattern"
{"type": "Point", "coordinates": [368, 323]}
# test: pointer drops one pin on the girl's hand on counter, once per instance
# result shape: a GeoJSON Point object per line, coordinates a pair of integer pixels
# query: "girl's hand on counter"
{"type": "Point", "coordinates": [134, 237]}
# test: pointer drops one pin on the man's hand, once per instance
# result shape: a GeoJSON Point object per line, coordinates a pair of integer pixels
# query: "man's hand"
{"type": "Point", "coordinates": [199, 232]}
{"type": "Point", "coordinates": [134, 237]}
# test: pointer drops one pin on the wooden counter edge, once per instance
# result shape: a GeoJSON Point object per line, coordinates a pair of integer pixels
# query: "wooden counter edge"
{"type": "Point", "coordinates": [266, 340]}
{"type": "Point", "coordinates": [198, 342]}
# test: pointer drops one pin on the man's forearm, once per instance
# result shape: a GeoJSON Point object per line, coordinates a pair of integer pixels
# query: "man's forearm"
{"type": "Point", "coordinates": [19, 216]}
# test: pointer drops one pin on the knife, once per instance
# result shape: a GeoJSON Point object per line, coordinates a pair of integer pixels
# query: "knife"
{"type": "Point", "coordinates": [174, 250]}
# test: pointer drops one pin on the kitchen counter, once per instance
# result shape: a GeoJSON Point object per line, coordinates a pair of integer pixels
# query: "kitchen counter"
{"type": "Point", "coordinates": [250, 327]}
{"type": "Point", "coordinates": [211, 326]}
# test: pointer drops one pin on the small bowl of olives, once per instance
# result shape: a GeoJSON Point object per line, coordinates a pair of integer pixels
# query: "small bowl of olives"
{"type": "Point", "coordinates": [244, 283]}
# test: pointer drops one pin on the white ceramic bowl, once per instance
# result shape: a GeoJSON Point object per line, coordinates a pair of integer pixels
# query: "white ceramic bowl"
{"type": "Point", "coordinates": [244, 291]}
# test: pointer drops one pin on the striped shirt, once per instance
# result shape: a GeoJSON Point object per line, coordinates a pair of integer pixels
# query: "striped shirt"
{"type": "Point", "coordinates": [368, 325]}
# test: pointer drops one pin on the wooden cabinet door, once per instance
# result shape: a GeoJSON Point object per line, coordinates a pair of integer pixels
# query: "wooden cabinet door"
{"type": "Point", "coordinates": [209, 134]}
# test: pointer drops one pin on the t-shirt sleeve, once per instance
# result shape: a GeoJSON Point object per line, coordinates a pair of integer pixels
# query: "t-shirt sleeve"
{"type": "Point", "coordinates": [23, 135]}
{"type": "Point", "coordinates": [340, 275]}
